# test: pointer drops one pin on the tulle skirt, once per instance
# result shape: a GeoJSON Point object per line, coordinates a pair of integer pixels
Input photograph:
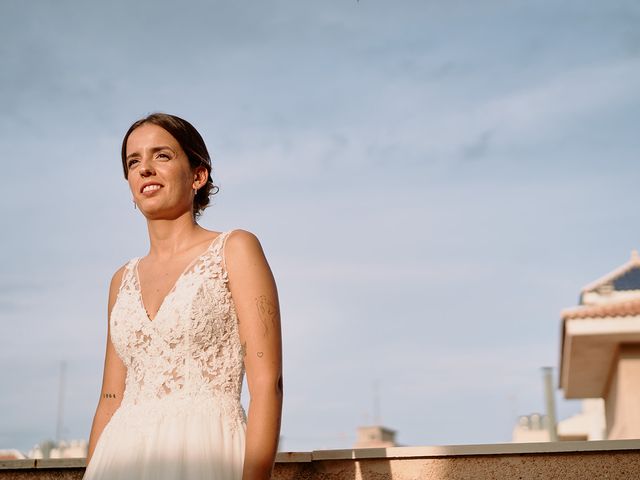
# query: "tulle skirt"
{"type": "Point", "coordinates": [169, 443]}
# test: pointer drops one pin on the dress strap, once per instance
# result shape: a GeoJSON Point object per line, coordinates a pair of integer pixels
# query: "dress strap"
{"type": "Point", "coordinates": [129, 269]}
{"type": "Point", "coordinates": [126, 274]}
{"type": "Point", "coordinates": [131, 264]}
{"type": "Point", "coordinates": [224, 241]}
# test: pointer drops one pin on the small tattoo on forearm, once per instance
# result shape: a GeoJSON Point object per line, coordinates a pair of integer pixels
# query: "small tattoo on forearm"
{"type": "Point", "coordinates": [109, 395]}
{"type": "Point", "coordinates": [260, 354]}
{"type": "Point", "coordinates": [268, 312]}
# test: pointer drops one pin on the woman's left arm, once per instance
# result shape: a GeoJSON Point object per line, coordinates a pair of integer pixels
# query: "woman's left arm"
{"type": "Point", "coordinates": [255, 297]}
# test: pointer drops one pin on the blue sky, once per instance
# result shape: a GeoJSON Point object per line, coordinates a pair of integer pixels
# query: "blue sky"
{"type": "Point", "coordinates": [432, 182]}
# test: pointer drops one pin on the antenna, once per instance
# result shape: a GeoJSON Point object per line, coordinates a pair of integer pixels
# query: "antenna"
{"type": "Point", "coordinates": [63, 367]}
{"type": "Point", "coordinates": [376, 403]}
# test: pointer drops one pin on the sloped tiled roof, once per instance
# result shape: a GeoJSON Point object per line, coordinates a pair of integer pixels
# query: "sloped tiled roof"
{"type": "Point", "coordinates": [11, 454]}
{"type": "Point", "coordinates": [627, 308]}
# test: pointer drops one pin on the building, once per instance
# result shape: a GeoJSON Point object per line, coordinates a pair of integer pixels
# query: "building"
{"type": "Point", "coordinates": [589, 424]}
{"type": "Point", "coordinates": [11, 454]}
{"type": "Point", "coordinates": [531, 428]}
{"type": "Point", "coordinates": [600, 350]}
{"type": "Point", "coordinates": [375, 436]}
{"type": "Point", "coordinates": [62, 449]}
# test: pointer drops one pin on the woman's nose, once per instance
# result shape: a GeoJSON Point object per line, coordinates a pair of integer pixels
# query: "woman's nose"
{"type": "Point", "coordinates": [145, 168]}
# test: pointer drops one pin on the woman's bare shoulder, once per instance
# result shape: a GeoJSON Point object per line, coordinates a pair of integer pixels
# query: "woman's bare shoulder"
{"type": "Point", "coordinates": [243, 234]}
{"type": "Point", "coordinates": [242, 241]}
{"type": "Point", "coordinates": [243, 251]}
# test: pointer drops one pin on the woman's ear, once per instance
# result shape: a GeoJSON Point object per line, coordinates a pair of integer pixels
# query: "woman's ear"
{"type": "Point", "coordinates": [201, 176]}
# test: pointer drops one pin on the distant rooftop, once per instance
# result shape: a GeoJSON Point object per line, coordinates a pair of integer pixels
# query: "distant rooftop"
{"type": "Point", "coordinates": [625, 277]}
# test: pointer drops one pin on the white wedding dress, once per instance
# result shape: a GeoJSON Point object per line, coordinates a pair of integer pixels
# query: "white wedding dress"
{"type": "Point", "coordinates": [180, 416]}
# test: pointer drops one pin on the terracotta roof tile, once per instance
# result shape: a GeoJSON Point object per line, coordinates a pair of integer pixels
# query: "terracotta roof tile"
{"type": "Point", "coordinates": [627, 308]}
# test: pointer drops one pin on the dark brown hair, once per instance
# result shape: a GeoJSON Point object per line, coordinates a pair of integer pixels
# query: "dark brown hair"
{"type": "Point", "coordinates": [190, 141]}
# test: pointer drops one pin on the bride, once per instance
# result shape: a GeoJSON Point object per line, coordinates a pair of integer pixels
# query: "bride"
{"type": "Point", "coordinates": [184, 325]}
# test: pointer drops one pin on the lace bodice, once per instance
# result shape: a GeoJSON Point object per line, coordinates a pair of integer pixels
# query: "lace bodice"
{"type": "Point", "coordinates": [190, 353]}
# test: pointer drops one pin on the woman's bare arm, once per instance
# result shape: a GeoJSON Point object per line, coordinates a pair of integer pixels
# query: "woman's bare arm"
{"type": "Point", "coordinates": [255, 297]}
{"type": "Point", "coordinates": [113, 376]}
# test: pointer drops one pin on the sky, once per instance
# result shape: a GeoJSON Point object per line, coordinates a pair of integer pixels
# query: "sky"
{"type": "Point", "coordinates": [431, 182]}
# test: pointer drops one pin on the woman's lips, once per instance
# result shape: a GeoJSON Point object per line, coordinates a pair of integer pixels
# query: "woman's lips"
{"type": "Point", "coordinates": [150, 192]}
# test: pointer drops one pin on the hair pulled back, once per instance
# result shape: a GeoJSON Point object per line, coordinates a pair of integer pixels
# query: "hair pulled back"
{"type": "Point", "coordinates": [191, 143]}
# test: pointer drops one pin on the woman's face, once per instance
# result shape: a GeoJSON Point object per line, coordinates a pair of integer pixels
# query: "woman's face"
{"type": "Point", "coordinates": [160, 176]}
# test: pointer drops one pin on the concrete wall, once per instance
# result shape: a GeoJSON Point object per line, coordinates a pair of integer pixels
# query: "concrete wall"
{"type": "Point", "coordinates": [622, 401]}
{"type": "Point", "coordinates": [613, 460]}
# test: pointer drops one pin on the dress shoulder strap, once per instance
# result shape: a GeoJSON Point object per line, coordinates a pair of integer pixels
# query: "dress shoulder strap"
{"type": "Point", "coordinates": [128, 271]}
{"type": "Point", "coordinates": [224, 235]}
{"type": "Point", "coordinates": [128, 268]}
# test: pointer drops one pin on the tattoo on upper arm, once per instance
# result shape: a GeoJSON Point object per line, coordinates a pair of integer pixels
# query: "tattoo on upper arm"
{"type": "Point", "coordinates": [260, 354]}
{"type": "Point", "coordinates": [268, 312]}
{"type": "Point", "coordinates": [109, 395]}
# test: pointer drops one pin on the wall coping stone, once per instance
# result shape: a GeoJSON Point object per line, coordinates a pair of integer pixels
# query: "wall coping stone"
{"type": "Point", "coordinates": [390, 452]}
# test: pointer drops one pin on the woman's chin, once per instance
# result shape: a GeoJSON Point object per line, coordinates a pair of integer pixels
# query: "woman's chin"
{"type": "Point", "coordinates": [162, 212]}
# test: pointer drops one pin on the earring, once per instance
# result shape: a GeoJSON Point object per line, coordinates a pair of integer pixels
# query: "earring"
{"type": "Point", "coordinates": [135, 205]}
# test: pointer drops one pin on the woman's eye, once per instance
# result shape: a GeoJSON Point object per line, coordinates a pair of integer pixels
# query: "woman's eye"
{"type": "Point", "coordinates": [163, 155]}
{"type": "Point", "coordinates": [131, 162]}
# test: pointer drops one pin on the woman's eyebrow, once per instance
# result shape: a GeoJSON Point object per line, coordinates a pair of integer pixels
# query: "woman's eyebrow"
{"type": "Point", "coordinates": [153, 150]}
{"type": "Point", "coordinates": [161, 147]}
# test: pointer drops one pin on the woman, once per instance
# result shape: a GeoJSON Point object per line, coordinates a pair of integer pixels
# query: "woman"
{"type": "Point", "coordinates": [185, 323]}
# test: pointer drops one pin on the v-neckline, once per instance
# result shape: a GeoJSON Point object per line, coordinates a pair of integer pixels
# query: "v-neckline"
{"type": "Point", "coordinates": [175, 283]}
